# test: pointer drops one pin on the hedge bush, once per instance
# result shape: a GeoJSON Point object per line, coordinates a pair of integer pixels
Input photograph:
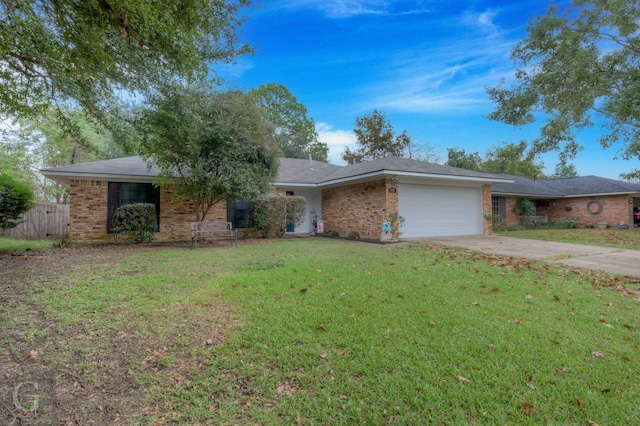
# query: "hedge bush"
{"type": "Point", "coordinates": [272, 214]}
{"type": "Point", "coordinates": [138, 219]}
{"type": "Point", "coordinates": [16, 197]}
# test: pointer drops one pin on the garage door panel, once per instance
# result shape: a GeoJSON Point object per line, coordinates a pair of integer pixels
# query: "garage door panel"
{"type": "Point", "coordinates": [435, 211]}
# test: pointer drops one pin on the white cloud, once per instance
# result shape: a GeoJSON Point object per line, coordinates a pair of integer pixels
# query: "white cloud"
{"type": "Point", "coordinates": [337, 140]}
{"type": "Point", "coordinates": [338, 9]}
{"type": "Point", "coordinates": [449, 76]}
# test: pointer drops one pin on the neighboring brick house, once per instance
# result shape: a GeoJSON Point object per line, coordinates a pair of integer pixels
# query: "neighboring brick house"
{"type": "Point", "coordinates": [433, 200]}
{"type": "Point", "coordinates": [591, 200]}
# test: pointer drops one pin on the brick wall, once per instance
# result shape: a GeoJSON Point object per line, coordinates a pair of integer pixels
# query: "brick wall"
{"type": "Point", "coordinates": [359, 207]}
{"type": "Point", "coordinates": [615, 209]}
{"type": "Point", "coordinates": [512, 218]}
{"type": "Point", "coordinates": [87, 210]}
{"type": "Point", "coordinates": [88, 213]}
{"type": "Point", "coordinates": [487, 225]}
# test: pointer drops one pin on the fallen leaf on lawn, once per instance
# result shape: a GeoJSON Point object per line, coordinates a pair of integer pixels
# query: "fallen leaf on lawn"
{"type": "Point", "coordinates": [475, 303]}
{"type": "Point", "coordinates": [490, 346]}
{"type": "Point", "coordinates": [323, 356]}
{"type": "Point", "coordinates": [432, 324]}
{"type": "Point", "coordinates": [343, 293]}
{"type": "Point", "coordinates": [495, 290]}
{"type": "Point", "coordinates": [518, 321]}
{"type": "Point", "coordinates": [462, 379]}
{"type": "Point", "coordinates": [592, 423]}
{"type": "Point", "coordinates": [33, 354]}
{"type": "Point", "coordinates": [597, 353]}
{"type": "Point", "coordinates": [608, 325]}
{"type": "Point", "coordinates": [605, 390]}
{"type": "Point", "coordinates": [352, 316]}
{"type": "Point", "coordinates": [320, 328]}
{"type": "Point", "coordinates": [303, 290]}
{"type": "Point", "coordinates": [208, 342]}
{"type": "Point", "coordinates": [528, 409]}
{"type": "Point", "coordinates": [609, 304]}
{"type": "Point", "coordinates": [528, 296]}
{"type": "Point", "coordinates": [298, 419]}
{"type": "Point", "coordinates": [343, 396]}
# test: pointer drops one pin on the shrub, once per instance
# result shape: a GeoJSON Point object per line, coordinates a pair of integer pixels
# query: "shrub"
{"type": "Point", "coordinates": [525, 207]}
{"type": "Point", "coordinates": [562, 223]}
{"type": "Point", "coordinates": [16, 197]}
{"type": "Point", "coordinates": [272, 214]}
{"type": "Point", "coordinates": [138, 218]}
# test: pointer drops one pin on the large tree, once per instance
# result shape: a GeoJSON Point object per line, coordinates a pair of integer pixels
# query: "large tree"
{"type": "Point", "coordinates": [575, 67]}
{"type": "Point", "coordinates": [43, 143]}
{"type": "Point", "coordinates": [90, 51]}
{"type": "Point", "coordinates": [509, 158]}
{"type": "Point", "coordinates": [294, 132]}
{"type": "Point", "coordinates": [214, 146]}
{"type": "Point", "coordinates": [376, 139]}
{"type": "Point", "coordinates": [513, 159]}
{"type": "Point", "coordinates": [463, 160]}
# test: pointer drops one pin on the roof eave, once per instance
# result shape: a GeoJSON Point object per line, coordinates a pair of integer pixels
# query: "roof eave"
{"type": "Point", "coordinates": [385, 172]}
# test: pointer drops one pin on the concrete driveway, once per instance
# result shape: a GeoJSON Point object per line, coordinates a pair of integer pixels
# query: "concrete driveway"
{"type": "Point", "coordinates": [613, 260]}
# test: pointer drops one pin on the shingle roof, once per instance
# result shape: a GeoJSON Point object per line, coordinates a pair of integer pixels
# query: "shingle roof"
{"type": "Point", "coordinates": [291, 171]}
{"type": "Point", "coordinates": [294, 170]}
{"type": "Point", "coordinates": [405, 165]}
{"type": "Point", "coordinates": [565, 187]}
{"type": "Point", "coordinates": [128, 166]}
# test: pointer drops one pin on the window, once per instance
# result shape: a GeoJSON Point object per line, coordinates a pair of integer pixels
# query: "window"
{"type": "Point", "coordinates": [240, 214]}
{"type": "Point", "coordinates": [123, 193]}
{"type": "Point", "coordinates": [499, 207]}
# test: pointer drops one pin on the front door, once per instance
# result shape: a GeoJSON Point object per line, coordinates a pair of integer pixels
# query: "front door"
{"type": "Point", "coordinates": [290, 226]}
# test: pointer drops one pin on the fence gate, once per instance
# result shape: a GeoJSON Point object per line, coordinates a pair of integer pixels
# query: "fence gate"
{"type": "Point", "coordinates": [44, 221]}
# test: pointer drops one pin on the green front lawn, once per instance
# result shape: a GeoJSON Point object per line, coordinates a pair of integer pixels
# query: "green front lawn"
{"type": "Point", "coordinates": [626, 239]}
{"type": "Point", "coordinates": [318, 331]}
{"type": "Point", "coordinates": [13, 244]}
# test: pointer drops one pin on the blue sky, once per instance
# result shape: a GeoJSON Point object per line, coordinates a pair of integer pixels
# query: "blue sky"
{"type": "Point", "coordinates": [424, 63]}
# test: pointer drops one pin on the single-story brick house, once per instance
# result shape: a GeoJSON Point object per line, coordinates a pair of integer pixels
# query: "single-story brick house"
{"type": "Point", "coordinates": [591, 200]}
{"type": "Point", "coordinates": [433, 199]}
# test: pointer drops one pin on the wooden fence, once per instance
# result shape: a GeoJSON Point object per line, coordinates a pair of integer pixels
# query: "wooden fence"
{"type": "Point", "coordinates": [44, 221]}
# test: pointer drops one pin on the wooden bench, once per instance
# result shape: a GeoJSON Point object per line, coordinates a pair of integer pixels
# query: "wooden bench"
{"type": "Point", "coordinates": [213, 228]}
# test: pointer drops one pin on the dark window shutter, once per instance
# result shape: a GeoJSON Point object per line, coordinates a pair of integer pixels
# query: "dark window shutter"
{"type": "Point", "coordinates": [231, 210]}
{"type": "Point", "coordinates": [503, 207]}
{"type": "Point", "coordinates": [113, 201]}
{"type": "Point", "coordinates": [154, 198]}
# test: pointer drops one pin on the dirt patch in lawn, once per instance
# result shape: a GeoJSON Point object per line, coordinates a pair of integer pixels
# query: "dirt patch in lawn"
{"type": "Point", "coordinates": [56, 374]}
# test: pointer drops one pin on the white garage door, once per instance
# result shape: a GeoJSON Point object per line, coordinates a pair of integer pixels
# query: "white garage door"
{"type": "Point", "coordinates": [439, 211]}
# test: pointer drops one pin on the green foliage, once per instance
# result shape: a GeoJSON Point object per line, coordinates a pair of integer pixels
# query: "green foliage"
{"type": "Point", "coordinates": [16, 197]}
{"type": "Point", "coordinates": [562, 223]}
{"type": "Point", "coordinates": [139, 219]}
{"type": "Point", "coordinates": [525, 208]}
{"type": "Point", "coordinates": [42, 143]}
{"type": "Point", "coordinates": [272, 214]}
{"type": "Point", "coordinates": [294, 132]}
{"type": "Point", "coordinates": [377, 139]}
{"type": "Point", "coordinates": [214, 146]}
{"type": "Point", "coordinates": [577, 66]}
{"type": "Point", "coordinates": [459, 158]}
{"type": "Point", "coordinates": [86, 52]}
{"type": "Point", "coordinates": [564, 170]}
{"type": "Point", "coordinates": [512, 159]}
{"type": "Point", "coordinates": [509, 158]}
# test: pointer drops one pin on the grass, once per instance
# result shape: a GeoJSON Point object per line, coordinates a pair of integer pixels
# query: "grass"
{"type": "Point", "coordinates": [13, 244]}
{"type": "Point", "coordinates": [626, 239]}
{"type": "Point", "coordinates": [333, 332]}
